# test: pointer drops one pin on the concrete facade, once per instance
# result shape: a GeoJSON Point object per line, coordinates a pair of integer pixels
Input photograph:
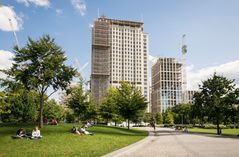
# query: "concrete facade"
{"type": "Point", "coordinates": [166, 84]}
{"type": "Point", "coordinates": [119, 53]}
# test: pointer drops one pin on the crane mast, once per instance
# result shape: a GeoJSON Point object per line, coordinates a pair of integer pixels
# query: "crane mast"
{"type": "Point", "coordinates": [14, 33]}
{"type": "Point", "coordinates": [184, 73]}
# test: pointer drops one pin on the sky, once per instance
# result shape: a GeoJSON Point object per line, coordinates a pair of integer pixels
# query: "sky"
{"type": "Point", "coordinates": [211, 28]}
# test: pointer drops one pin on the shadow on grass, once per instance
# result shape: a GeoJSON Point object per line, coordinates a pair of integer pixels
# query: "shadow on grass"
{"type": "Point", "coordinates": [11, 129]}
{"type": "Point", "coordinates": [118, 131]}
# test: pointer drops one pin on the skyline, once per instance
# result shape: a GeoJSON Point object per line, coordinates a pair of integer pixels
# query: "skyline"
{"type": "Point", "coordinates": [211, 29]}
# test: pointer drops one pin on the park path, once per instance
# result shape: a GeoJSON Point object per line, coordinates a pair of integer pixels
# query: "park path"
{"type": "Point", "coordinates": [166, 142]}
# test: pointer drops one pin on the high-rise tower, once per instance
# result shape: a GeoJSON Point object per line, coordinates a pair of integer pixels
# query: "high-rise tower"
{"type": "Point", "coordinates": [166, 89]}
{"type": "Point", "coordinates": [119, 53]}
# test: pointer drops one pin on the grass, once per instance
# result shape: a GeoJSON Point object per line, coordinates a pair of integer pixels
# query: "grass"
{"type": "Point", "coordinates": [233, 132]}
{"type": "Point", "coordinates": [58, 141]}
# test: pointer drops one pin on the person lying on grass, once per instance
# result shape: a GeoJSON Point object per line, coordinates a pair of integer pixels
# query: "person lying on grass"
{"type": "Point", "coordinates": [82, 130]}
{"type": "Point", "coordinates": [36, 134]}
{"type": "Point", "coordinates": [75, 130]}
{"type": "Point", "coordinates": [21, 133]}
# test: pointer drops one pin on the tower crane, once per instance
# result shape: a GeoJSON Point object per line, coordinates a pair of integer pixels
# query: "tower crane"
{"type": "Point", "coordinates": [14, 33]}
{"type": "Point", "coordinates": [184, 73]}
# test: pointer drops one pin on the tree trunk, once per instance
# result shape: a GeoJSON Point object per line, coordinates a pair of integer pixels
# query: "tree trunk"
{"type": "Point", "coordinates": [115, 123]}
{"type": "Point", "coordinates": [41, 110]}
{"type": "Point", "coordinates": [128, 123]}
{"type": "Point", "coordinates": [218, 128]}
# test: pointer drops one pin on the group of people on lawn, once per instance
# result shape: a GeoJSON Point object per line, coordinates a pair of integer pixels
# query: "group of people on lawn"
{"type": "Point", "coordinates": [21, 133]}
{"type": "Point", "coordinates": [36, 134]}
{"type": "Point", "coordinates": [80, 131]}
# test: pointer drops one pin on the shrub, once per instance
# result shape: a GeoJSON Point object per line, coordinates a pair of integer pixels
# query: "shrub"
{"type": "Point", "coordinates": [70, 118]}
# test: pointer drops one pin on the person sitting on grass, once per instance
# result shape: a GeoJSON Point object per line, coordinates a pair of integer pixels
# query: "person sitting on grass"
{"type": "Point", "coordinates": [53, 122]}
{"type": "Point", "coordinates": [82, 130]}
{"type": "Point", "coordinates": [21, 133]}
{"type": "Point", "coordinates": [75, 130]}
{"type": "Point", "coordinates": [36, 134]}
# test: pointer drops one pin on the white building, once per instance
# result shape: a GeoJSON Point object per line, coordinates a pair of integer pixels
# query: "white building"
{"type": "Point", "coordinates": [119, 53]}
{"type": "Point", "coordinates": [166, 89]}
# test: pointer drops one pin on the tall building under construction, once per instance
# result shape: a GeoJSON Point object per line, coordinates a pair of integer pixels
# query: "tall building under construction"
{"type": "Point", "coordinates": [119, 53]}
{"type": "Point", "coordinates": [166, 84]}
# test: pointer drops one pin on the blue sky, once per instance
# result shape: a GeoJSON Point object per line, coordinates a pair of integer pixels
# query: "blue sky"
{"type": "Point", "coordinates": [211, 26]}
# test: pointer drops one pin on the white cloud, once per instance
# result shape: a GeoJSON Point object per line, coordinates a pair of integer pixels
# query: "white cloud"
{"type": "Point", "coordinates": [5, 61]}
{"type": "Point", "coordinates": [229, 70]}
{"type": "Point", "coordinates": [80, 6]}
{"type": "Point", "coordinates": [59, 12]}
{"type": "Point", "coordinates": [41, 3]}
{"type": "Point", "coordinates": [7, 13]}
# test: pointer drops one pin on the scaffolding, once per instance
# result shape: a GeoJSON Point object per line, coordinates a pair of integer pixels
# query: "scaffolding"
{"type": "Point", "coordinates": [100, 75]}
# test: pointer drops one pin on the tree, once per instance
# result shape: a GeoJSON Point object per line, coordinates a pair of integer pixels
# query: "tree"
{"type": "Point", "coordinates": [4, 106]}
{"type": "Point", "coordinates": [130, 102]}
{"type": "Point", "coordinates": [23, 105]}
{"type": "Point", "coordinates": [53, 110]}
{"type": "Point", "coordinates": [168, 117]}
{"type": "Point", "coordinates": [78, 100]}
{"type": "Point", "coordinates": [198, 111]}
{"type": "Point", "coordinates": [40, 66]}
{"type": "Point", "coordinates": [159, 118]}
{"type": "Point", "coordinates": [218, 95]}
{"type": "Point", "coordinates": [108, 108]}
{"type": "Point", "coordinates": [182, 113]}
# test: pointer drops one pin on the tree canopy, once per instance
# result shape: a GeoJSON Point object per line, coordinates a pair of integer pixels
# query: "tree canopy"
{"type": "Point", "coordinates": [130, 102]}
{"type": "Point", "coordinates": [40, 66]}
{"type": "Point", "coordinates": [217, 97]}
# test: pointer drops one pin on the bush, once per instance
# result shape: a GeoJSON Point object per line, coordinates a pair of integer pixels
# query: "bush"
{"type": "Point", "coordinates": [168, 125]}
{"type": "Point", "coordinates": [189, 126]}
{"type": "Point", "coordinates": [70, 118]}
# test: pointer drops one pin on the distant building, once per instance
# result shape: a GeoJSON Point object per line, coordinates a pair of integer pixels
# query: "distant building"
{"type": "Point", "coordinates": [166, 84]}
{"type": "Point", "coordinates": [190, 94]}
{"type": "Point", "coordinates": [119, 53]}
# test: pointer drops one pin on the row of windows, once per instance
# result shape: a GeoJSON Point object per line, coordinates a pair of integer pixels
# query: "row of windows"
{"type": "Point", "coordinates": [129, 53]}
{"type": "Point", "coordinates": [127, 35]}
{"type": "Point", "coordinates": [117, 29]}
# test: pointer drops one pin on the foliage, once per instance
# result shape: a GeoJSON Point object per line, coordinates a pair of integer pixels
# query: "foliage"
{"type": "Point", "coordinates": [182, 113]}
{"type": "Point", "coordinates": [108, 108]}
{"type": "Point", "coordinates": [4, 106]}
{"type": "Point", "coordinates": [168, 117]}
{"type": "Point", "coordinates": [217, 98]}
{"type": "Point", "coordinates": [198, 112]}
{"type": "Point", "coordinates": [131, 104]}
{"type": "Point", "coordinates": [81, 102]}
{"type": "Point", "coordinates": [40, 65]}
{"type": "Point", "coordinates": [159, 118]}
{"type": "Point", "coordinates": [52, 110]}
{"type": "Point", "coordinates": [23, 105]}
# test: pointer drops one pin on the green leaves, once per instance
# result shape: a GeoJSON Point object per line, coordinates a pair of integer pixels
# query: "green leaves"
{"type": "Point", "coordinates": [217, 97]}
{"type": "Point", "coordinates": [4, 106]}
{"type": "Point", "coordinates": [130, 102]}
{"type": "Point", "coordinates": [40, 65]}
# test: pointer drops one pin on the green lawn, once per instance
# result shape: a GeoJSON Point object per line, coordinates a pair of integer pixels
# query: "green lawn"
{"type": "Point", "coordinates": [214, 131]}
{"type": "Point", "coordinates": [58, 141]}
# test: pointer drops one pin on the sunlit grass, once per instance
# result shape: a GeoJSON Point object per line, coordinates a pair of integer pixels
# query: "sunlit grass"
{"type": "Point", "coordinates": [59, 141]}
{"type": "Point", "coordinates": [214, 131]}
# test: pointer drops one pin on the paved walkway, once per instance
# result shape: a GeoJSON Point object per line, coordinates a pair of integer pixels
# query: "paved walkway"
{"type": "Point", "coordinates": [169, 143]}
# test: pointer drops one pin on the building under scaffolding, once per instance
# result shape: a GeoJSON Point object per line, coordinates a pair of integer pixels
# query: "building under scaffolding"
{"type": "Point", "coordinates": [100, 72]}
{"type": "Point", "coordinates": [166, 84]}
{"type": "Point", "coordinates": [119, 53]}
